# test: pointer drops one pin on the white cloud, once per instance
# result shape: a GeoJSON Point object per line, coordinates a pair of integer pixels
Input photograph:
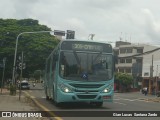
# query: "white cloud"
{"type": "Point", "coordinates": [151, 25]}
{"type": "Point", "coordinates": [137, 20]}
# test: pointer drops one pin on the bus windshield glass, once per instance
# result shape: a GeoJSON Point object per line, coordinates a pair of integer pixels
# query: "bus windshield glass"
{"type": "Point", "coordinates": [85, 66]}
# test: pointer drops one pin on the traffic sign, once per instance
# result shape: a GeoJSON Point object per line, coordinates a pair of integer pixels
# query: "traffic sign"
{"type": "Point", "coordinates": [20, 66]}
{"type": "Point", "coordinates": [70, 34]}
{"type": "Point", "coordinates": [59, 32]}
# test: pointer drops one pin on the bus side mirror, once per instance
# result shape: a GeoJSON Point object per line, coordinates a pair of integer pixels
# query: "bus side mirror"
{"type": "Point", "coordinates": [106, 66]}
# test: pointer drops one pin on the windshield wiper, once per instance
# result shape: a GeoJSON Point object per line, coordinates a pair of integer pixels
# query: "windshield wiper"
{"type": "Point", "coordinates": [97, 57]}
{"type": "Point", "coordinates": [76, 56]}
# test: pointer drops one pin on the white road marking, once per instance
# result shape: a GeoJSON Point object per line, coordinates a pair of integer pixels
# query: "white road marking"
{"type": "Point", "coordinates": [120, 103]}
{"type": "Point", "coordinates": [132, 100]}
{"type": "Point", "coordinates": [125, 99]}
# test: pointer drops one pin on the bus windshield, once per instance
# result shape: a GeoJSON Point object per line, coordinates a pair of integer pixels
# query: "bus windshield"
{"type": "Point", "coordinates": [86, 66]}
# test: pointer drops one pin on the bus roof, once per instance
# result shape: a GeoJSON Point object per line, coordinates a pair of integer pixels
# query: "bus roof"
{"type": "Point", "coordinates": [96, 41]}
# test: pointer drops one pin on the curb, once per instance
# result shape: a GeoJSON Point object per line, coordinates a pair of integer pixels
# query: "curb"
{"type": "Point", "coordinates": [38, 104]}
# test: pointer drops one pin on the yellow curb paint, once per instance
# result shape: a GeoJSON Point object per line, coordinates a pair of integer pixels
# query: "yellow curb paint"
{"type": "Point", "coordinates": [43, 107]}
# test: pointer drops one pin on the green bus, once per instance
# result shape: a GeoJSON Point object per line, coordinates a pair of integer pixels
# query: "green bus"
{"type": "Point", "coordinates": [80, 71]}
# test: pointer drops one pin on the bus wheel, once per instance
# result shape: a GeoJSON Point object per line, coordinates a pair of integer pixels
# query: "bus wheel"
{"type": "Point", "coordinates": [47, 97]}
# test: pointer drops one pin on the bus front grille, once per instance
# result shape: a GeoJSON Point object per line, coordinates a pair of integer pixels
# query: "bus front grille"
{"type": "Point", "coordinates": [86, 96]}
{"type": "Point", "coordinates": [84, 90]}
{"type": "Point", "coordinates": [87, 85]}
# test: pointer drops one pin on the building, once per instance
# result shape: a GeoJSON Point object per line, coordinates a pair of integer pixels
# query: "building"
{"type": "Point", "coordinates": [151, 69]}
{"type": "Point", "coordinates": [130, 59]}
{"type": "Point", "coordinates": [125, 63]}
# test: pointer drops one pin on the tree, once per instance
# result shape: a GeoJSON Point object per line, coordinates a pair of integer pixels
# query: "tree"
{"type": "Point", "coordinates": [124, 80]}
{"type": "Point", "coordinates": [36, 47]}
{"type": "Point", "coordinates": [38, 74]}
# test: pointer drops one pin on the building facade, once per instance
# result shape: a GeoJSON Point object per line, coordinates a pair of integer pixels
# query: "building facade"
{"type": "Point", "coordinates": [145, 68]}
{"type": "Point", "coordinates": [151, 69]}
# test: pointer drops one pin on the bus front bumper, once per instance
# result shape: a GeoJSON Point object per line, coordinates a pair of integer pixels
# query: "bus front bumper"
{"type": "Point", "coordinates": [84, 97]}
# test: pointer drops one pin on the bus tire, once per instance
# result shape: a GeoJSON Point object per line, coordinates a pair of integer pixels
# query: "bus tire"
{"type": "Point", "coordinates": [47, 97]}
{"type": "Point", "coordinates": [57, 104]}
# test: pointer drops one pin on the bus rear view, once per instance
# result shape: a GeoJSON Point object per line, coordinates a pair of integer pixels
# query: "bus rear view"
{"type": "Point", "coordinates": [83, 72]}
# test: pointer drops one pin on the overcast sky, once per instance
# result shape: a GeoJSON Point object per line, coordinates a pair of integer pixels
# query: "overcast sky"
{"type": "Point", "coordinates": [135, 21]}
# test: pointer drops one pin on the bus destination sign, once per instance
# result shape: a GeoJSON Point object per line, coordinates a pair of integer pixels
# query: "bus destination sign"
{"type": "Point", "coordinates": [87, 47]}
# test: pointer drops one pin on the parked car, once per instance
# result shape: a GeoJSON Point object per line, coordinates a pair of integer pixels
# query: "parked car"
{"type": "Point", "coordinates": [24, 85]}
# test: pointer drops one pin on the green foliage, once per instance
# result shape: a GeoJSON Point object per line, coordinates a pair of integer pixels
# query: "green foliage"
{"type": "Point", "coordinates": [124, 78]}
{"type": "Point", "coordinates": [12, 89]}
{"type": "Point", "coordinates": [37, 74]}
{"type": "Point", "coordinates": [36, 47]}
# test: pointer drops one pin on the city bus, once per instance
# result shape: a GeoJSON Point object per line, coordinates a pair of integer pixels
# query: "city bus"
{"type": "Point", "coordinates": [80, 71]}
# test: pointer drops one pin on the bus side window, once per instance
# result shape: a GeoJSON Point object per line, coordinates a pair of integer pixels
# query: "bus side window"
{"type": "Point", "coordinates": [64, 65]}
{"type": "Point", "coordinates": [106, 65]}
{"type": "Point", "coordinates": [54, 59]}
{"type": "Point", "coordinates": [54, 63]}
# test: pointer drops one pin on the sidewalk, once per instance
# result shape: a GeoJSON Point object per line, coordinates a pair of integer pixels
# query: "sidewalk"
{"type": "Point", "coordinates": [12, 103]}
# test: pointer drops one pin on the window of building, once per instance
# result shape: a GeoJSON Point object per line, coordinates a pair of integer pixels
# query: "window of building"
{"type": "Point", "coordinates": [139, 50]}
{"type": "Point", "coordinates": [146, 74]}
{"type": "Point", "coordinates": [122, 50]}
{"type": "Point", "coordinates": [128, 70]}
{"type": "Point", "coordinates": [121, 70]}
{"type": "Point", "coordinates": [116, 70]}
{"type": "Point", "coordinates": [116, 52]}
{"type": "Point", "coordinates": [122, 60]}
{"type": "Point", "coordinates": [129, 50]}
{"type": "Point", "coordinates": [128, 60]}
{"type": "Point", "coordinates": [139, 60]}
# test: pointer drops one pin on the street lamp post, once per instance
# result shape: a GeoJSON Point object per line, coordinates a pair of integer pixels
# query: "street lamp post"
{"type": "Point", "coordinates": [21, 78]}
{"type": "Point", "coordinates": [15, 55]}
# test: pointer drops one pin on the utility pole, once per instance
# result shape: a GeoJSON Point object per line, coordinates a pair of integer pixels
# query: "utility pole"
{"type": "Point", "coordinates": [156, 85]}
{"type": "Point", "coordinates": [4, 62]}
{"type": "Point", "coordinates": [152, 68]}
{"type": "Point", "coordinates": [151, 76]}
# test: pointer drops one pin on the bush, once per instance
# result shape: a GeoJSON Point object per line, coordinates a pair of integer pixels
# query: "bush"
{"type": "Point", "coordinates": [12, 89]}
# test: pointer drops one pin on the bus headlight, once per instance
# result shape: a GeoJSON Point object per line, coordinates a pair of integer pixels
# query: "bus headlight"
{"type": "Point", "coordinates": [65, 88]}
{"type": "Point", "coordinates": [108, 89]}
